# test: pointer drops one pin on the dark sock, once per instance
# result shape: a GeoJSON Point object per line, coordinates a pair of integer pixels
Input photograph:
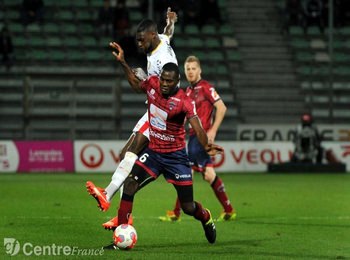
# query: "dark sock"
{"type": "Point", "coordinates": [219, 190]}
{"type": "Point", "coordinates": [177, 208]}
{"type": "Point", "coordinates": [201, 213]}
{"type": "Point", "coordinates": [125, 209]}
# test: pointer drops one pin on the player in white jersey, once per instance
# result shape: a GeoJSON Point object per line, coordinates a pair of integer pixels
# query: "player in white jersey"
{"type": "Point", "coordinates": [156, 58]}
{"type": "Point", "coordinates": [159, 52]}
{"type": "Point", "coordinates": [163, 54]}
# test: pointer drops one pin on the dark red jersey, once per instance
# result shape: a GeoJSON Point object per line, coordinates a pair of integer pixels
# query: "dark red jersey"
{"type": "Point", "coordinates": [167, 117]}
{"type": "Point", "coordinates": [204, 96]}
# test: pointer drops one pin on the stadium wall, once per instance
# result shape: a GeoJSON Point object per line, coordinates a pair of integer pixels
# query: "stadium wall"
{"type": "Point", "coordinates": [103, 156]}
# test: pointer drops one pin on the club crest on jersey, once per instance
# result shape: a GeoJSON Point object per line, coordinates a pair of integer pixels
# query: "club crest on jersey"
{"type": "Point", "coordinates": [171, 105]}
{"type": "Point", "coordinates": [151, 93]}
{"type": "Point", "coordinates": [196, 92]}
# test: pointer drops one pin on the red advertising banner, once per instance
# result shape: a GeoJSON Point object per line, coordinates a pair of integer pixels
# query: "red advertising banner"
{"type": "Point", "coordinates": [45, 156]}
{"type": "Point", "coordinates": [9, 158]}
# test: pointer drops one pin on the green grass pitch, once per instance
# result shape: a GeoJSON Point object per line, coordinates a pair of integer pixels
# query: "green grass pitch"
{"type": "Point", "coordinates": [280, 216]}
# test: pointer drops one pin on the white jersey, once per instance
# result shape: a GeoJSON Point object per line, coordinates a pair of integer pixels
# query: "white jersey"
{"type": "Point", "coordinates": [161, 55]}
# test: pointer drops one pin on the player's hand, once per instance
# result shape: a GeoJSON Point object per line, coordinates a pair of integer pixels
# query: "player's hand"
{"type": "Point", "coordinates": [119, 53]}
{"type": "Point", "coordinates": [139, 73]}
{"type": "Point", "coordinates": [211, 136]}
{"type": "Point", "coordinates": [171, 17]}
{"type": "Point", "coordinates": [214, 149]}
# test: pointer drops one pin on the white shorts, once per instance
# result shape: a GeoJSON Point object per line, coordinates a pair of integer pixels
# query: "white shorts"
{"type": "Point", "coordinates": [142, 126]}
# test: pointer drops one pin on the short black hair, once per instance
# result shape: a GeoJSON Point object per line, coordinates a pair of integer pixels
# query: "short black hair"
{"type": "Point", "coordinates": [172, 67]}
{"type": "Point", "coordinates": [147, 25]}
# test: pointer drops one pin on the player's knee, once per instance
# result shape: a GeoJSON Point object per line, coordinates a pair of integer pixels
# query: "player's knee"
{"type": "Point", "coordinates": [188, 208]}
{"type": "Point", "coordinates": [134, 148]}
{"type": "Point", "coordinates": [138, 144]}
{"type": "Point", "coordinates": [130, 186]}
{"type": "Point", "coordinates": [122, 154]}
{"type": "Point", "coordinates": [209, 175]}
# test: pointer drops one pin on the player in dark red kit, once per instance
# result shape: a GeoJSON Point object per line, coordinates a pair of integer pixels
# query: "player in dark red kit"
{"type": "Point", "coordinates": [207, 101]}
{"type": "Point", "coordinates": [168, 108]}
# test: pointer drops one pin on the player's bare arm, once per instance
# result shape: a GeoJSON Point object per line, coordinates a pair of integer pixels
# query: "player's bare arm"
{"type": "Point", "coordinates": [129, 72]}
{"type": "Point", "coordinates": [212, 149]}
{"type": "Point", "coordinates": [171, 18]}
{"type": "Point", "coordinates": [220, 111]}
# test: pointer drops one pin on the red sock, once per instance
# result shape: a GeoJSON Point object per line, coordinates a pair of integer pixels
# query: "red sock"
{"type": "Point", "coordinates": [177, 208]}
{"type": "Point", "coordinates": [219, 190]}
{"type": "Point", "coordinates": [125, 209]}
{"type": "Point", "coordinates": [201, 213]}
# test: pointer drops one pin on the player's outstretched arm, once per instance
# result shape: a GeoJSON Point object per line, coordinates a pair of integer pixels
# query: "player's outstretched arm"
{"type": "Point", "coordinates": [171, 18]}
{"type": "Point", "coordinates": [119, 55]}
{"type": "Point", "coordinates": [212, 149]}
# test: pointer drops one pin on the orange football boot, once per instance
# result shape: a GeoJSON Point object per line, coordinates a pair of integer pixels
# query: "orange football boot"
{"type": "Point", "coordinates": [113, 223]}
{"type": "Point", "coordinates": [99, 195]}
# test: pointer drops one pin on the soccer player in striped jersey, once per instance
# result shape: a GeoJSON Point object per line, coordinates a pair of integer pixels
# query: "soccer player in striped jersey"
{"type": "Point", "coordinates": [207, 100]}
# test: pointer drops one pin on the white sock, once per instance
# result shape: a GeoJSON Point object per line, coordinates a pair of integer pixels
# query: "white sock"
{"type": "Point", "coordinates": [110, 190]}
{"type": "Point", "coordinates": [121, 190]}
{"type": "Point", "coordinates": [120, 174]}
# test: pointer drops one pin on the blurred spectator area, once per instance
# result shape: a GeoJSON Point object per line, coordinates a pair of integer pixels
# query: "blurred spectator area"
{"type": "Point", "coordinates": [65, 83]}
{"type": "Point", "coordinates": [322, 64]}
{"type": "Point", "coordinates": [323, 71]}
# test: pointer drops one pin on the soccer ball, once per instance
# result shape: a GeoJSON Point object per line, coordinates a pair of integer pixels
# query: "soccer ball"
{"type": "Point", "coordinates": [125, 236]}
